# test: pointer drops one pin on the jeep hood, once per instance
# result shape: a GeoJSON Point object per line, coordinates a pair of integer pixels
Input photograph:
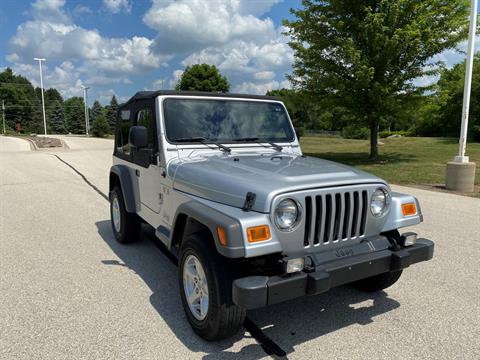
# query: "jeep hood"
{"type": "Point", "coordinates": [227, 179]}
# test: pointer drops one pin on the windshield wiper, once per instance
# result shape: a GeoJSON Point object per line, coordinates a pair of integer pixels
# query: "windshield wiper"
{"type": "Point", "coordinates": [204, 141]}
{"type": "Point", "coordinates": [259, 141]}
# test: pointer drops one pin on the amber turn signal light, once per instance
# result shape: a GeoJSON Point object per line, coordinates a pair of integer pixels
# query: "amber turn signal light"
{"type": "Point", "coordinates": [222, 236]}
{"type": "Point", "coordinates": [409, 209]}
{"type": "Point", "coordinates": [258, 233]}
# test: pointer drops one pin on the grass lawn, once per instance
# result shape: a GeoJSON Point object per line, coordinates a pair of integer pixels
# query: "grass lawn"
{"type": "Point", "coordinates": [412, 161]}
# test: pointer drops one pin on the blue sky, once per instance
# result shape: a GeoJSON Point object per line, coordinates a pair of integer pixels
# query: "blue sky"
{"type": "Point", "coordinates": [123, 46]}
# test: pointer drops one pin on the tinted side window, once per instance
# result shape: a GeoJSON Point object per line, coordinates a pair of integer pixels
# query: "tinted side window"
{"type": "Point", "coordinates": [145, 118]}
{"type": "Point", "coordinates": [124, 125]}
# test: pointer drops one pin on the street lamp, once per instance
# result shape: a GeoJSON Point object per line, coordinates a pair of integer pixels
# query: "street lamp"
{"type": "Point", "coordinates": [460, 175]}
{"type": "Point", "coordinates": [41, 88]}
{"type": "Point", "coordinates": [87, 120]}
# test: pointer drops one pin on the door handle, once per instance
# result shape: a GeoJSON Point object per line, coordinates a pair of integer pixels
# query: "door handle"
{"type": "Point", "coordinates": [137, 172]}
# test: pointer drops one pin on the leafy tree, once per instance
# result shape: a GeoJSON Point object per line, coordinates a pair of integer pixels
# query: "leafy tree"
{"type": "Point", "coordinates": [296, 104]}
{"type": "Point", "coordinates": [56, 122]}
{"type": "Point", "coordinates": [112, 113]}
{"type": "Point", "coordinates": [203, 77]}
{"type": "Point", "coordinates": [100, 126]}
{"type": "Point", "coordinates": [364, 55]}
{"type": "Point", "coordinates": [20, 99]}
{"type": "Point", "coordinates": [441, 112]}
{"type": "Point", "coordinates": [74, 115]}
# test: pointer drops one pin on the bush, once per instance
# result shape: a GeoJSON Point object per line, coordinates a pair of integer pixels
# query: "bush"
{"type": "Point", "coordinates": [100, 126]}
{"type": "Point", "coordinates": [386, 133]}
{"type": "Point", "coordinates": [476, 133]}
{"type": "Point", "coordinates": [355, 132]}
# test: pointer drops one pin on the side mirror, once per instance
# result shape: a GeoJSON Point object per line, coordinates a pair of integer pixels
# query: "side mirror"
{"type": "Point", "coordinates": [138, 137]}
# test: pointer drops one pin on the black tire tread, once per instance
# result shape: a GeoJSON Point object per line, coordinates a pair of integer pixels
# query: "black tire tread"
{"type": "Point", "coordinates": [131, 223]}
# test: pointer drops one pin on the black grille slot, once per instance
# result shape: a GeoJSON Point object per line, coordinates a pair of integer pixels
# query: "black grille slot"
{"type": "Point", "coordinates": [347, 218]}
{"type": "Point", "coordinates": [364, 212]}
{"type": "Point", "coordinates": [355, 214]}
{"type": "Point", "coordinates": [318, 218]}
{"type": "Point", "coordinates": [328, 217]}
{"type": "Point", "coordinates": [308, 219]}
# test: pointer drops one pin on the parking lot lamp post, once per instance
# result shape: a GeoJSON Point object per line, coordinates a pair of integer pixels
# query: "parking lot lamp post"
{"type": "Point", "coordinates": [460, 174]}
{"type": "Point", "coordinates": [3, 115]}
{"type": "Point", "coordinates": [41, 88]}
{"type": "Point", "coordinates": [87, 119]}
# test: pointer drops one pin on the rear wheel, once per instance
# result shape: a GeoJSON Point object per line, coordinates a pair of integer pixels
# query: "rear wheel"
{"type": "Point", "coordinates": [125, 225]}
{"type": "Point", "coordinates": [206, 290]}
{"type": "Point", "coordinates": [378, 282]}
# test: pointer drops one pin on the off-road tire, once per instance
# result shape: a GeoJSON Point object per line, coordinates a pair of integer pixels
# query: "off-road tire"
{"type": "Point", "coordinates": [378, 282]}
{"type": "Point", "coordinates": [130, 223]}
{"type": "Point", "coordinates": [223, 318]}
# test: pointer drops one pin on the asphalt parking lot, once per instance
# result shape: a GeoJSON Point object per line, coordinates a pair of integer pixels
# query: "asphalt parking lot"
{"type": "Point", "coordinates": [68, 290]}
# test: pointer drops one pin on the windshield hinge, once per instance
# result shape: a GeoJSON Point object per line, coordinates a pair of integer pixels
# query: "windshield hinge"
{"type": "Point", "coordinates": [249, 201]}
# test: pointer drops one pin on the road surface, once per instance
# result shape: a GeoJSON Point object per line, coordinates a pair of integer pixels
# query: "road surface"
{"type": "Point", "coordinates": [13, 144]}
{"type": "Point", "coordinates": [68, 290]}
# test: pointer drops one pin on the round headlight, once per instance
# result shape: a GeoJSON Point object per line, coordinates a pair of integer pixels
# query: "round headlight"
{"type": "Point", "coordinates": [286, 214]}
{"type": "Point", "coordinates": [380, 202]}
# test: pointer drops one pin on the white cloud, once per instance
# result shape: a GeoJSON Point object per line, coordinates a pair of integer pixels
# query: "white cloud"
{"type": "Point", "coordinates": [116, 6]}
{"type": "Point", "coordinates": [106, 96]}
{"type": "Point", "coordinates": [190, 25]}
{"type": "Point", "coordinates": [176, 76]}
{"type": "Point", "coordinates": [260, 88]}
{"type": "Point", "coordinates": [65, 78]}
{"type": "Point", "coordinates": [81, 10]}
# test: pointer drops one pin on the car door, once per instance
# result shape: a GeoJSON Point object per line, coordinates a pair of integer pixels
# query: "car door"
{"type": "Point", "coordinates": [148, 169]}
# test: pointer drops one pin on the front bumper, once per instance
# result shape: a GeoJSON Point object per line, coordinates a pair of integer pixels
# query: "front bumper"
{"type": "Point", "coordinates": [254, 292]}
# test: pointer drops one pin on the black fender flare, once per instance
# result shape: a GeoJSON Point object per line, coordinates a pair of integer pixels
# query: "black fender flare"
{"type": "Point", "coordinates": [129, 187]}
{"type": "Point", "coordinates": [211, 219]}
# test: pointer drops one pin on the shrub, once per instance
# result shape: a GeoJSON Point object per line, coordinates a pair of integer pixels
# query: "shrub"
{"type": "Point", "coordinates": [355, 132]}
{"type": "Point", "coordinates": [386, 133]}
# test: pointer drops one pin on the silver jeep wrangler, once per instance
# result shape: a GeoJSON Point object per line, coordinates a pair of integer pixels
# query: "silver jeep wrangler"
{"type": "Point", "coordinates": [252, 221]}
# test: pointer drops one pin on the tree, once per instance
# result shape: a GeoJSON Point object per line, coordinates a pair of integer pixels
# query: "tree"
{"type": "Point", "coordinates": [364, 55]}
{"type": "Point", "coordinates": [20, 99]}
{"type": "Point", "coordinates": [441, 112]}
{"type": "Point", "coordinates": [56, 122]}
{"type": "Point", "coordinates": [203, 77]}
{"type": "Point", "coordinates": [74, 115]}
{"type": "Point", "coordinates": [297, 105]}
{"type": "Point", "coordinates": [96, 111]}
{"type": "Point", "coordinates": [100, 126]}
{"type": "Point", "coordinates": [112, 113]}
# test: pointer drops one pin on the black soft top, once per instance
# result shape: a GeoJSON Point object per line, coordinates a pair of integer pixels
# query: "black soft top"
{"type": "Point", "coordinates": [143, 95]}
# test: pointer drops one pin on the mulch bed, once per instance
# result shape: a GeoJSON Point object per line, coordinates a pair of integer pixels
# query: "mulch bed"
{"type": "Point", "coordinates": [45, 142]}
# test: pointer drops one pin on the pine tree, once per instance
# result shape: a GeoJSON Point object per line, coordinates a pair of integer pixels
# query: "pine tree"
{"type": "Point", "coordinates": [112, 113]}
{"type": "Point", "coordinates": [74, 115]}
{"type": "Point", "coordinates": [96, 111]}
{"type": "Point", "coordinates": [100, 126]}
{"type": "Point", "coordinates": [56, 122]}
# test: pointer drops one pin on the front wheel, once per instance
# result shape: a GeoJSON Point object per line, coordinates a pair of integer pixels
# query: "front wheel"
{"type": "Point", "coordinates": [378, 282]}
{"type": "Point", "coordinates": [206, 290]}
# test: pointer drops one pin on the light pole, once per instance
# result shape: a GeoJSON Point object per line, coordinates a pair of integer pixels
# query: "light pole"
{"type": "Point", "coordinates": [41, 88]}
{"type": "Point", "coordinates": [3, 115]}
{"type": "Point", "coordinates": [460, 173]}
{"type": "Point", "coordinates": [87, 120]}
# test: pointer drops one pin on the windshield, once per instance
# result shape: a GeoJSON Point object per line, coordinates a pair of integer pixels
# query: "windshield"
{"type": "Point", "coordinates": [225, 120]}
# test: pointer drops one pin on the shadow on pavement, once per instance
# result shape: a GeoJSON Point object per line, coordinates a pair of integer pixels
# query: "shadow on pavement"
{"type": "Point", "coordinates": [287, 324]}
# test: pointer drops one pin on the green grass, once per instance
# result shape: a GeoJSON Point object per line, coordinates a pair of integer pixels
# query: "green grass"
{"type": "Point", "coordinates": [411, 161]}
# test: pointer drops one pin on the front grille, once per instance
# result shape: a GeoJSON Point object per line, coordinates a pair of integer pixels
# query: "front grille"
{"type": "Point", "coordinates": [332, 217]}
